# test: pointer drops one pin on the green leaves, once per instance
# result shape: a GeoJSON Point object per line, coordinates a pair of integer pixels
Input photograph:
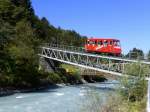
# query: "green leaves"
{"type": "Point", "coordinates": [136, 69]}
{"type": "Point", "coordinates": [134, 87]}
{"type": "Point", "coordinates": [6, 10]}
{"type": "Point", "coordinates": [21, 33]}
{"type": "Point", "coordinates": [6, 33]}
{"type": "Point", "coordinates": [136, 54]}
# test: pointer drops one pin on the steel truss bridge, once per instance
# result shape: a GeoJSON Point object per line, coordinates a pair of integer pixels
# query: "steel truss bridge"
{"type": "Point", "coordinates": [77, 57]}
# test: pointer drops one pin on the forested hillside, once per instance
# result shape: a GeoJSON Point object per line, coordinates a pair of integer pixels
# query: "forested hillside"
{"type": "Point", "coordinates": [21, 32]}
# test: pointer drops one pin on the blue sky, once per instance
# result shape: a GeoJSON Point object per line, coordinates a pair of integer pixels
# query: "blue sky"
{"type": "Point", "coordinates": [127, 20]}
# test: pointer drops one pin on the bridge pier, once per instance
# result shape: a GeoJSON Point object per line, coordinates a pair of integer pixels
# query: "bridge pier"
{"type": "Point", "coordinates": [47, 64]}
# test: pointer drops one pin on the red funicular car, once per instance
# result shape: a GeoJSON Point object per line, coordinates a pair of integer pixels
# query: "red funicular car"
{"type": "Point", "coordinates": [103, 45]}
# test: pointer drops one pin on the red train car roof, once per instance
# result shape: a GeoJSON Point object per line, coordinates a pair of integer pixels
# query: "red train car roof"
{"type": "Point", "coordinates": [102, 39]}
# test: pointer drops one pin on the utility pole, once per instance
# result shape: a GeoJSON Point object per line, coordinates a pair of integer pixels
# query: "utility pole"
{"type": "Point", "coordinates": [148, 96]}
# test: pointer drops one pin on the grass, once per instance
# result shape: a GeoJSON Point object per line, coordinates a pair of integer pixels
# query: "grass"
{"type": "Point", "coordinates": [69, 68]}
{"type": "Point", "coordinates": [113, 103]}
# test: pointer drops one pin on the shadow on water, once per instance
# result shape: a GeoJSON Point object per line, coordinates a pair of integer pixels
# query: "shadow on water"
{"type": "Point", "coordinates": [50, 88]}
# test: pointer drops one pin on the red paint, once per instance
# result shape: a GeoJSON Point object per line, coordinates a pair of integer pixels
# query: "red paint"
{"type": "Point", "coordinates": [102, 45]}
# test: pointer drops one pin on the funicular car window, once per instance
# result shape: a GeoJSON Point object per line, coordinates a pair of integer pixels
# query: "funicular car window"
{"type": "Point", "coordinates": [111, 42]}
{"type": "Point", "coordinates": [100, 43]}
{"type": "Point", "coordinates": [91, 42]}
{"type": "Point", "coordinates": [105, 43]}
{"type": "Point", "coordinates": [116, 43]}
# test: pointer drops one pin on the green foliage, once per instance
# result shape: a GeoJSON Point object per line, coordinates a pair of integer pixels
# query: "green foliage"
{"type": "Point", "coordinates": [136, 69]}
{"type": "Point", "coordinates": [134, 87]}
{"type": "Point", "coordinates": [135, 54]}
{"type": "Point", "coordinates": [6, 33]}
{"type": "Point", "coordinates": [6, 10]}
{"type": "Point", "coordinates": [71, 73]}
{"type": "Point", "coordinates": [77, 76]}
{"type": "Point", "coordinates": [114, 103]}
{"type": "Point", "coordinates": [21, 32]}
{"type": "Point", "coordinates": [54, 78]}
{"type": "Point", "coordinates": [69, 68]}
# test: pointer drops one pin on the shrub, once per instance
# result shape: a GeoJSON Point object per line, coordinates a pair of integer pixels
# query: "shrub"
{"type": "Point", "coordinates": [54, 78]}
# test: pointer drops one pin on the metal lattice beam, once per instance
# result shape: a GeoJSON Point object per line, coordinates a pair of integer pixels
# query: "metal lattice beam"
{"type": "Point", "coordinates": [105, 64]}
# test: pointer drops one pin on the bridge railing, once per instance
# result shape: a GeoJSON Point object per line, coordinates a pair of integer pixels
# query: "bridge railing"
{"type": "Point", "coordinates": [65, 47]}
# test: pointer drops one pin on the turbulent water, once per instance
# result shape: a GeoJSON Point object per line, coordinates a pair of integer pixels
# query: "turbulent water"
{"type": "Point", "coordinates": [55, 99]}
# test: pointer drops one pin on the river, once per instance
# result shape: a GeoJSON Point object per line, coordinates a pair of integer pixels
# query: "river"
{"type": "Point", "coordinates": [55, 99]}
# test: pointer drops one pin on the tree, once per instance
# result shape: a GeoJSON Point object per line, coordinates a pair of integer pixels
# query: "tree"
{"type": "Point", "coordinates": [7, 33]}
{"type": "Point", "coordinates": [136, 54]}
{"type": "Point", "coordinates": [6, 10]}
{"type": "Point", "coordinates": [44, 30]}
{"type": "Point", "coordinates": [24, 68]}
{"type": "Point", "coordinates": [21, 32]}
{"type": "Point", "coordinates": [24, 3]}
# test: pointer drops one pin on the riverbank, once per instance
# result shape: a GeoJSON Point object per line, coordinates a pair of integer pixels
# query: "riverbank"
{"type": "Point", "coordinates": [12, 90]}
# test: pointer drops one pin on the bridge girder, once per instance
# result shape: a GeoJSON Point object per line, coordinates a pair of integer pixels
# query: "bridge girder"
{"type": "Point", "coordinates": [105, 64]}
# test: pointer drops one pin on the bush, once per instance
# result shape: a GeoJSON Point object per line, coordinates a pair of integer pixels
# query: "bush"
{"type": "Point", "coordinates": [134, 87]}
{"type": "Point", "coordinates": [53, 78]}
{"type": "Point", "coordinates": [136, 69]}
{"type": "Point", "coordinates": [70, 73]}
{"type": "Point", "coordinates": [113, 103]}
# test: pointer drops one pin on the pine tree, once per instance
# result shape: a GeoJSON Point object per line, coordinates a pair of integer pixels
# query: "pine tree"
{"type": "Point", "coordinates": [23, 3]}
{"type": "Point", "coordinates": [6, 11]}
{"type": "Point", "coordinates": [7, 33]}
